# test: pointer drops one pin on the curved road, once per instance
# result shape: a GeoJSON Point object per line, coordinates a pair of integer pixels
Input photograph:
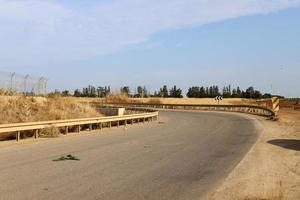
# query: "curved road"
{"type": "Point", "coordinates": [183, 156]}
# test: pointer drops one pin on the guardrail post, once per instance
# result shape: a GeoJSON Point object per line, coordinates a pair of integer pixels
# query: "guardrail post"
{"type": "Point", "coordinates": [78, 128]}
{"type": "Point", "coordinates": [125, 123]}
{"type": "Point", "coordinates": [66, 130]}
{"type": "Point", "coordinates": [131, 122]}
{"type": "Point", "coordinates": [109, 124]}
{"type": "Point", "coordinates": [36, 134]}
{"type": "Point", "coordinates": [18, 136]}
{"type": "Point", "coordinates": [144, 120]}
{"type": "Point", "coordinates": [118, 123]}
{"type": "Point", "coordinates": [100, 126]}
{"type": "Point", "coordinates": [90, 127]}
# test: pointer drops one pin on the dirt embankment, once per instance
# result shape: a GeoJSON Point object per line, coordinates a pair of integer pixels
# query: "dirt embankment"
{"type": "Point", "coordinates": [271, 170]}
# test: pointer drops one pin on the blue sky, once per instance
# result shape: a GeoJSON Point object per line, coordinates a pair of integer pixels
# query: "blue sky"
{"type": "Point", "coordinates": [127, 42]}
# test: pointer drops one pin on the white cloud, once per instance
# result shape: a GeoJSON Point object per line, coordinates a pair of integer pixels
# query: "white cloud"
{"type": "Point", "coordinates": [34, 31]}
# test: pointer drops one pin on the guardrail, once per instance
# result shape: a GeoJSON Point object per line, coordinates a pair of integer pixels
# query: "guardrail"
{"type": "Point", "coordinates": [129, 110]}
{"type": "Point", "coordinates": [91, 123]}
{"type": "Point", "coordinates": [252, 109]}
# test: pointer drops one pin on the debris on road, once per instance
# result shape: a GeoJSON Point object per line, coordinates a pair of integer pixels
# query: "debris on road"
{"type": "Point", "coordinates": [67, 157]}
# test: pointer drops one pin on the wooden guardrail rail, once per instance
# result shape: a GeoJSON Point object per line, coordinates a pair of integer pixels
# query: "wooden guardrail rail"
{"type": "Point", "coordinates": [17, 128]}
{"type": "Point", "coordinates": [252, 109]}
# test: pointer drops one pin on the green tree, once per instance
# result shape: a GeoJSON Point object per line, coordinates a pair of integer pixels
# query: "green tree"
{"type": "Point", "coordinates": [77, 93]}
{"type": "Point", "coordinates": [234, 93]}
{"type": "Point", "coordinates": [193, 92]}
{"type": "Point", "coordinates": [238, 92]}
{"type": "Point", "coordinates": [249, 93]}
{"type": "Point", "coordinates": [164, 92]}
{"type": "Point", "coordinates": [175, 92]}
{"type": "Point", "coordinates": [267, 96]}
{"type": "Point", "coordinates": [125, 90]}
{"type": "Point", "coordinates": [141, 92]}
{"type": "Point", "coordinates": [65, 93]}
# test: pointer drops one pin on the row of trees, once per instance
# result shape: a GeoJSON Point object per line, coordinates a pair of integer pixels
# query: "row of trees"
{"type": "Point", "coordinates": [163, 92]}
{"type": "Point", "coordinates": [227, 92]}
{"type": "Point", "coordinates": [174, 92]}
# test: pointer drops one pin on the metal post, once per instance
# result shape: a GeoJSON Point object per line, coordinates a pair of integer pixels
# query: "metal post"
{"type": "Point", "coordinates": [90, 127]}
{"type": "Point", "coordinates": [36, 134]}
{"type": "Point", "coordinates": [11, 80]}
{"type": "Point", "coordinates": [78, 129]}
{"type": "Point", "coordinates": [40, 85]}
{"type": "Point", "coordinates": [18, 136]}
{"type": "Point", "coordinates": [66, 130]}
{"type": "Point", "coordinates": [45, 86]}
{"type": "Point", "coordinates": [118, 123]}
{"type": "Point", "coordinates": [25, 84]}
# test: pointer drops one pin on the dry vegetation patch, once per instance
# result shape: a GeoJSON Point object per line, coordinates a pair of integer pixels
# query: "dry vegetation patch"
{"type": "Point", "coordinates": [17, 109]}
{"type": "Point", "coordinates": [49, 132]}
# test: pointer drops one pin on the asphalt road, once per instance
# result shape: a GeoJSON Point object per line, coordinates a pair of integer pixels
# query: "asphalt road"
{"type": "Point", "coordinates": [184, 156]}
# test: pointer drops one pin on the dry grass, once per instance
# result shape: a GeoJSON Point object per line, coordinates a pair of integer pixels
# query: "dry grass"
{"type": "Point", "coordinates": [17, 109]}
{"type": "Point", "coordinates": [290, 104]}
{"type": "Point", "coordinates": [49, 132]}
{"type": "Point", "coordinates": [4, 92]}
{"type": "Point", "coordinates": [117, 98]}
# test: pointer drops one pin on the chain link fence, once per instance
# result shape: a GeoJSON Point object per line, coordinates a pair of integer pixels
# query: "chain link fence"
{"type": "Point", "coordinates": [11, 82]}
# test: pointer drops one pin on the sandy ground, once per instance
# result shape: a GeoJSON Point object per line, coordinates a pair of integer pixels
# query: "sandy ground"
{"type": "Point", "coordinates": [271, 169]}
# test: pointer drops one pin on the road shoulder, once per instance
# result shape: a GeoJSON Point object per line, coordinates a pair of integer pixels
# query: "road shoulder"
{"type": "Point", "coordinates": [271, 169]}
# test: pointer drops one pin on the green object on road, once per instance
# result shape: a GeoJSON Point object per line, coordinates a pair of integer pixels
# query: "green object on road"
{"type": "Point", "coordinates": [67, 157]}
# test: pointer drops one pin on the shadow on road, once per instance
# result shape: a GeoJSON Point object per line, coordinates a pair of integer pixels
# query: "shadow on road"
{"type": "Point", "coordinates": [286, 143]}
